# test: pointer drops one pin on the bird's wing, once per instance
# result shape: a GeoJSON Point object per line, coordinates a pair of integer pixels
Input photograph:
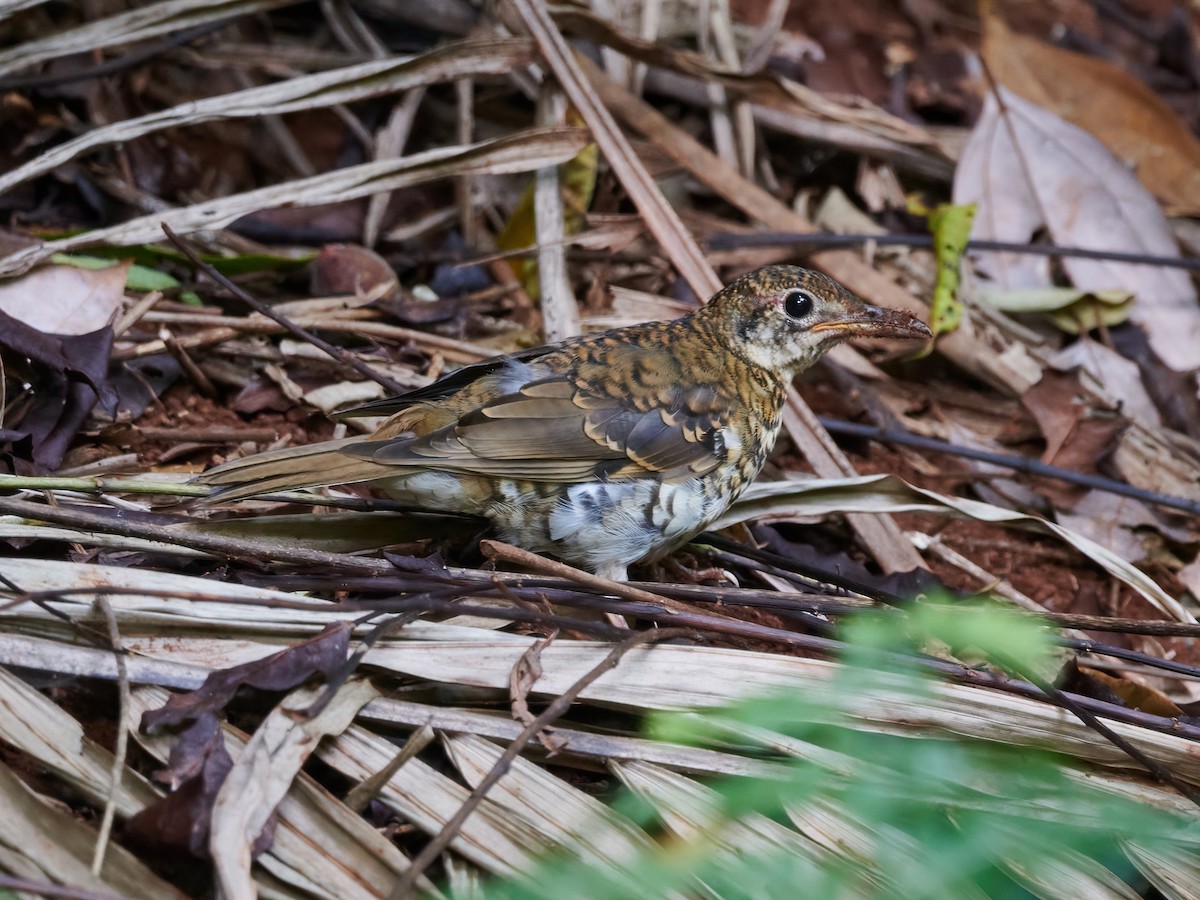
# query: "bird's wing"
{"type": "Point", "coordinates": [556, 429]}
{"type": "Point", "coordinates": [448, 385]}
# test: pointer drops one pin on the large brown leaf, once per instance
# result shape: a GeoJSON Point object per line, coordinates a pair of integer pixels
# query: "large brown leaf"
{"type": "Point", "coordinates": [1126, 116]}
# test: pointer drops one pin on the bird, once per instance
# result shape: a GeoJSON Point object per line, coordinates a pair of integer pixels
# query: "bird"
{"type": "Point", "coordinates": [604, 450]}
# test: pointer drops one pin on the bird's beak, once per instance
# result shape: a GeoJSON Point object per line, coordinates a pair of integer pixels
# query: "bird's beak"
{"type": "Point", "coordinates": [874, 321]}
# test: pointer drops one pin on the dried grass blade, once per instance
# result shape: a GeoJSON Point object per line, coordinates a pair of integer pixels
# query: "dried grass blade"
{"type": "Point", "coordinates": [47, 840]}
{"type": "Point", "coordinates": [37, 726]}
{"type": "Point", "coordinates": [264, 773]}
{"type": "Point", "coordinates": [566, 816]}
{"type": "Point", "coordinates": [889, 494]}
{"type": "Point", "coordinates": [137, 24]}
{"type": "Point", "coordinates": [520, 152]}
{"type": "Point", "coordinates": [322, 848]}
{"type": "Point", "coordinates": [579, 744]}
{"type": "Point", "coordinates": [693, 812]}
{"type": "Point", "coordinates": [672, 678]}
{"type": "Point", "coordinates": [10, 8]}
{"type": "Point", "coordinates": [490, 838]}
{"type": "Point", "coordinates": [1173, 870]}
{"type": "Point", "coordinates": [346, 85]}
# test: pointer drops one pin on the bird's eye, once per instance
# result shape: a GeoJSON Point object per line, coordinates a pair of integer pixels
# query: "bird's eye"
{"type": "Point", "coordinates": [798, 304]}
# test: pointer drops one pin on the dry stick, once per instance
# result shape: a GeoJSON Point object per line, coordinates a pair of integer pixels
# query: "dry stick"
{"type": "Point", "coordinates": [228, 327]}
{"type": "Point", "coordinates": [662, 221]}
{"type": "Point", "coordinates": [517, 586]}
{"type": "Point", "coordinates": [1027, 464]}
{"type": "Point", "coordinates": [122, 747]}
{"type": "Point", "coordinates": [560, 310]}
{"type": "Point", "coordinates": [729, 240]}
{"type": "Point", "coordinates": [559, 706]}
{"type": "Point", "coordinates": [338, 353]}
{"type": "Point", "coordinates": [464, 185]}
{"type": "Point", "coordinates": [1090, 719]}
{"type": "Point", "coordinates": [541, 565]}
{"type": "Point", "coordinates": [1152, 662]}
{"type": "Point", "coordinates": [235, 548]}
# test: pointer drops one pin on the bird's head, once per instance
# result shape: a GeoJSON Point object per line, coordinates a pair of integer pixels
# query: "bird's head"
{"type": "Point", "coordinates": [785, 318]}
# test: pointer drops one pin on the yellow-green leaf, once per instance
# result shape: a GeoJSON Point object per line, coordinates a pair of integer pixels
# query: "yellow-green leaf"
{"type": "Point", "coordinates": [951, 228]}
{"type": "Point", "coordinates": [1070, 309]}
{"type": "Point", "coordinates": [577, 181]}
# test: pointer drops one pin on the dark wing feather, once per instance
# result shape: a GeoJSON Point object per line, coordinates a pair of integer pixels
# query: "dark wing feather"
{"type": "Point", "coordinates": [555, 430]}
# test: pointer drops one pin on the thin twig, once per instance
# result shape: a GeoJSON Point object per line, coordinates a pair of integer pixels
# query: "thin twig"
{"type": "Point", "coordinates": [1153, 662]}
{"type": "Point", "coordinates": [120, 751]}
{"type": "Point", "coordinates": [745, 240]}
{"type": "Point", "coordinates": [158, 528]}
{"type": "Point", "coordinates": [338, 353]}
{"type": "Point", "coordinates": [1079, 710]}
{"type": "Point", "coordinates": [407, 881]}
{"type": "Point", "coordinates": [509, 553]}
{"type": "Point", "coordinates": [1025, 464]}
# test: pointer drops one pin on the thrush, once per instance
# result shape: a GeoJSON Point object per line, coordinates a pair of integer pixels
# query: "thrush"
{"type": "Point", "coordinates": [603, 450]}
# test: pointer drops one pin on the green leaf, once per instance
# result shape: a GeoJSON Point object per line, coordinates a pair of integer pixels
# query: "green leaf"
{"type": "Point", "coordinates": [139, 277]}
{"type": "Point", "coordinates": [1070, 309]}
{"type": "Point", "coordinates": [951, 229]}
{"type": "Point", "coordinates": [900, 814]}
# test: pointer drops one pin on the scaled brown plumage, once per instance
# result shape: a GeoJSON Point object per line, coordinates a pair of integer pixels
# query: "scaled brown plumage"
{"type": "Point", "coordinates": [606, 449]}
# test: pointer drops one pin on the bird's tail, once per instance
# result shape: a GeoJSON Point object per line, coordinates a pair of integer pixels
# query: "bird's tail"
{"type": "Point", "coordinates": [314, 465]}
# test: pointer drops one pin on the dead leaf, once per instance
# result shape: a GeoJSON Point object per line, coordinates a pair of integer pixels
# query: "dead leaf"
{"type": "Point", "coordinates": [180, 821]}
{"type": "Point", "coordinates": [1118, 377]}
{"type": "Point", "coordinates": [65, 299]}
{"type": "Point", "coordinates": [1134, 122]}
{"type": "Point", "coordinates": [353, 271]}
{"type": "Point", "coordinates": [1077, 436]}
{"type": "Point", "coordinates": [68, 376]}
{"type": "Point", "coordinates": [1110, 520]}
{"type": "Point", "coordinates": [1083, 197]}
{"type": "Point", "coordinates": [1134, 695]}
{"type": "Point", "coordinates": [282, 671]}
{"type": "Point", "coordinates": [199, 761]}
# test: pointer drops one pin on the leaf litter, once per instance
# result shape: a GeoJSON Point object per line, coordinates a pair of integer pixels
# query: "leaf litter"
{"type": "Point", "coordinates": [425, 300]}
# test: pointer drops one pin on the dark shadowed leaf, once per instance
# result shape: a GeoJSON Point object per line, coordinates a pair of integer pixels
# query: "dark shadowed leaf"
{"type": "Point", "coordinates": [199, 761]}
{"type": "Point", "coordinates": [68, 374]}
{"type": "Point", "coordinates": [323, 655]}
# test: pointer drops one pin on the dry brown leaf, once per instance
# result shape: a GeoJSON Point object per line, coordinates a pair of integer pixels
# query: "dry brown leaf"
{"type": "Point", "coordinates": [1110, 521]}
{"type": "Point", "coordinates": [65, 299]}
{"type": "Point", "coordinates": [1117, 376]}
{"type": "Point", "coordinates": [1126, 116]}
{"type": "Point", "coordinates": [353, 270]}
{"type": "Point", "coordinates": [1077, 436]}
{"type": "Point", "coordinates": [1027, 169]}
{"type": "Point", "coordinates": [1136, 696]}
